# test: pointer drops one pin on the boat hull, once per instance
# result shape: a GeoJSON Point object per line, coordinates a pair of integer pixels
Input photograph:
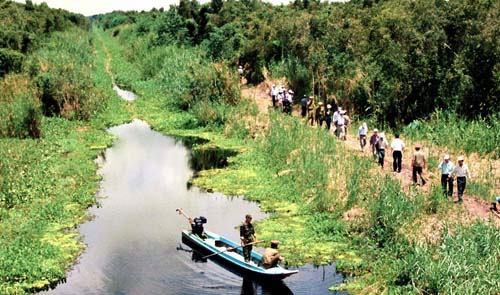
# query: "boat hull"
{"type": "Point", "coordinates": [233, 260]}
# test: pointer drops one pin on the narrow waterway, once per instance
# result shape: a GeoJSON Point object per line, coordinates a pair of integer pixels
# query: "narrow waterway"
{"type": "Point", "coordinates": [134, 241]}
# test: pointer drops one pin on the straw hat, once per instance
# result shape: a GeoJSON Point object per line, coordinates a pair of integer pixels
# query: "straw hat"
{"type": "Point", "coordinates": [446, 157]}
{"type": "Point", "coordinates": [461, 158]}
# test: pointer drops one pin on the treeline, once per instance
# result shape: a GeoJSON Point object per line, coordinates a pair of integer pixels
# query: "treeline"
{"type": "Point", "coordinates": [45, 62]}
{"type": "Point", "coordinates": [394, 60]}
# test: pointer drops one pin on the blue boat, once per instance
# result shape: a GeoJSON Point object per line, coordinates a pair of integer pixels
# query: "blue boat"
{"type": "Point", "coordinates": [233, 259]}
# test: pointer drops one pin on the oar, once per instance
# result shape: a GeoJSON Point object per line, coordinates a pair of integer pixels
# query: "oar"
{"type": "Point", "coordinates": [231, 248]}
{"type": "Point", "coordinates": [181, 212]}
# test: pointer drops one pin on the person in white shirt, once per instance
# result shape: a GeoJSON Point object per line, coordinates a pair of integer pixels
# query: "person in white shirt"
{"type": "Point", "coordinates": [446, 167]}
{"type": "Point", "coordinates": [462, 173]}
{"type": "Point", "coordinates": [362, 132]}
{"type": "Point", "coordinates": [397, 146]}
{"type": "Point", "coordinates": [274, 94]}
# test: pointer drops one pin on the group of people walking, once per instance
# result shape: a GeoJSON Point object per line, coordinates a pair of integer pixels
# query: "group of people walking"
{"type": "Point", "coordinates": [283, 97]}
{"type": "Point", "coordinates": [314, 113]}
{"type": "Point", "coordinates": [317, 113]}
{"type": "Point", "coordinates": [449, 171]}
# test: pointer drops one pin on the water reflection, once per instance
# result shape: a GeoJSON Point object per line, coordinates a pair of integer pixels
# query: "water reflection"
{"type": "Point", "coordinates": [124, 94]}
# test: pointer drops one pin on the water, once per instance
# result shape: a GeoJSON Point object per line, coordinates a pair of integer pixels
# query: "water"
{"type": "Point", "coordinates": [124, 94]}
{"type": "Point", "coordinates": [134, 241]}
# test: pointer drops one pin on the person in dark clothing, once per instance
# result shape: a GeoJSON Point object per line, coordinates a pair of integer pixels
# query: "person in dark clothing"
{"type": "Point", "coordinates": [197, 226]}
{"type": "Point", "coordinates": [247, 236]}
{"type": "Point", "coordinates": [303, 105]}
{"type": "Point", "coordinates": [328, 116]}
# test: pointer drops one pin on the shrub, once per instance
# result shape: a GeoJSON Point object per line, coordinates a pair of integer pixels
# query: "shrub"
{"type": "Point", "coordinates": [20, 113]}
{"type": "Point", "coordinates": [10, 61]}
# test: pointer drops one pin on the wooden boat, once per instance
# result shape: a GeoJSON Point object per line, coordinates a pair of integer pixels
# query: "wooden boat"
{"type": "Point", "coordinates": [233, 259]}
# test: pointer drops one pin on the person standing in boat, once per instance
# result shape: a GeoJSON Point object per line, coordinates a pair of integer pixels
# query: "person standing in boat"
{"type": "Point", "coordinates": [271, 256]}
{"type": "Point", "coordinates": [247, 236]}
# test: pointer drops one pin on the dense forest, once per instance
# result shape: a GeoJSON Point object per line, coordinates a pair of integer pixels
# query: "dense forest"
{"type": "Point", "coordinates": [394, 60]}
{"type": "Point", "coordinates": [430, 69]}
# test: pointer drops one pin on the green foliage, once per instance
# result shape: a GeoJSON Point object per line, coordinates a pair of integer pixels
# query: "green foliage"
{"type": "Point", "coordinates": [62, 70]}
{"type": "Point", "coordinates": [10, 61]}
{"type": "Point", "coordinates": [466, 262]}
{"type": "Point", "coordinates": [389, 211]}
{"type": "Point", "coordinates": [20, 113]}
{"type": "Point", "coordinates": [448, 129]}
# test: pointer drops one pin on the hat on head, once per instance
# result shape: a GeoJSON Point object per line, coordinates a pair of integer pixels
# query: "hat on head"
{"type": "Point", "coordinates": [343, 112]}
{"type": "Point", "coordinates": [290, 91]}
{"type": "Point", "coordinates": [328, 106]}
{"type": "Point", "coordinates": [273, 85]}
{"type": "Point", "coordinates": [320, 103]}
{"type": "Point", "coordinates": [339, 109]}
{"type": "Point", "coordinates": [382, 135]}
{"type": "Point", "coordinates": [364, 125]}
{"type": "Point", "coordinates": [312, 97]}
{"type": "Point", "coordinates": [461, 158]}
{"type": "Point", "coordinates": [375, 130]}
{"type": "Point", "coordinates": [446, 157]}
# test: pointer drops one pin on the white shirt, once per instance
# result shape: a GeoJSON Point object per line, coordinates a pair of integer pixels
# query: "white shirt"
{"type": "Point", "coordinates": [274, 91]}
{"type": "Point", "coordinates": [340, 120]}
{"type": "Point", "coordinates": [336, 116]}
{"type": "Point", "coordinates": [397, 145]}
{"type": "Point", "coordinates": [362, 130]}
{"type": "Point", "coordinates": [461, 171]}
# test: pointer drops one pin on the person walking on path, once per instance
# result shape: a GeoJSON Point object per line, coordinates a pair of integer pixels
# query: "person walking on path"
{"type": "Point", "coordinates": [462, 173]}
{"type": "Point", "coordinates": [271, 256]}
{"type": "Point", "coordinates": [397, 146]}
{"type": "Point", "coordinates": [328, 116]}
{"type": "Point", "coordinates": [347, 122]}
{"type": "Point", "coordinates": [373, 142]}
{"type": "Point", "coordinates": [418, 164]}
{"type": "Point", "coordinates": [247, 235]}
{"type": "Point", "coordinates": [274, 94]}
{"type": "Point", "coordinates": [446, 167]}
{"type": "Point", "coordinates": [362, 133]}
{"type": "Point", "coordinates": [336, 117]}
{"type": "Point", "coordinates": [340, 126]}
{"type": "Point", "coordinates": [320, 114]}
{"type": "Point", "coordinates": [381, 146]}
{"type": "Point", "coordinates": [303, 106]}
{"type": "Point", "coordinates": [311, 109]}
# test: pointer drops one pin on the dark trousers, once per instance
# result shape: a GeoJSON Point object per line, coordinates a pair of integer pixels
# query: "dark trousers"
{"type": "Point", "coordinates": [381, 156]}
{"type": "Point", "coordinates": [303, 111]}
{"type": "Point", "coordinates": [328, 123]}
{"type": "Point", "coordinates": [397, 160]}
{"type": "Point", "coordinates": [419, 171]}
{"type": "Point", "coordinates": [246, 252]}
{"type": "Point", "coordinates": [362, 141]}
{"type": "Point", "coordinates": [461, 182]}
{"type": "Point", "coordinates": [447, 185]}
{"type": "Point", "coordinates": [273, 97]}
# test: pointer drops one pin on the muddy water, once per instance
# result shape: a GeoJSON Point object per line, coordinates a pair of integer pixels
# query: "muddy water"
{"type": "Point", "coordinates": [134, 241]}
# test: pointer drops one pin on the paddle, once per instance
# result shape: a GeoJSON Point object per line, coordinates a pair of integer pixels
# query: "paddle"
{"type": "Point", "coordinates": [231, 248]}
{"type": "Point", "coordinates": [181, 212]}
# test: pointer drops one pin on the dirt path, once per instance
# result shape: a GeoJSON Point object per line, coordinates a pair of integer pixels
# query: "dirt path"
{"type": "Point", "coordinates": [474, 207]}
